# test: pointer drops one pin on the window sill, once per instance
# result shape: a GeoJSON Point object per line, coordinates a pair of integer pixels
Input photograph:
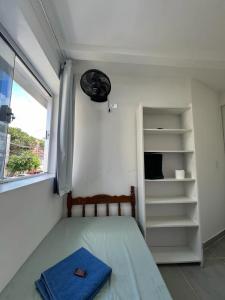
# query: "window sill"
{"type": "Point", "coordinates": [18, 183]}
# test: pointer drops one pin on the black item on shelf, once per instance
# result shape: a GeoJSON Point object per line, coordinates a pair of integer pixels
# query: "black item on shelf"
{"type": "Point", "coordinates": [153, 165]}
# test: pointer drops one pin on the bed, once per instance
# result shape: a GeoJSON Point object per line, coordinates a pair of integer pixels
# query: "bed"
{"type": "Point", "coordinates": [114, 239]}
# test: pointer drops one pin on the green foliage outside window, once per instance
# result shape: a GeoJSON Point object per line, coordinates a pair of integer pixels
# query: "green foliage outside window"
{"type": "Point", "coordinates": [21, 158]}
{"type": "Point", "coordinates": [26, 161]}
{"type": "Point", "coordinates": [21, 141]}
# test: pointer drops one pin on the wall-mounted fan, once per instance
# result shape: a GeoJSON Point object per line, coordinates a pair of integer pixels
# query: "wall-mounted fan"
{"type": "Point", "coordinates": [96, 85]}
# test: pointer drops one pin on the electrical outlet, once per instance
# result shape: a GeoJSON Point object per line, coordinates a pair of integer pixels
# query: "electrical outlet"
{"type": "Point", "coordinates": [114, 106]}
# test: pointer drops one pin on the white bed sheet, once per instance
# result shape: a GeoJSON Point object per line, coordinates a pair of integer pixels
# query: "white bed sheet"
{"type": "Point", "coordinates": [115, 240]}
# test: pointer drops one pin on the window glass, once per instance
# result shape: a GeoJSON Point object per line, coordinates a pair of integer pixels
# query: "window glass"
{"type": "Point", "coordinates": [7, 58]}
{"type": "Point", "coordinates": [24, 120]}
{"type": "Point", "coordinates": [26, 135]}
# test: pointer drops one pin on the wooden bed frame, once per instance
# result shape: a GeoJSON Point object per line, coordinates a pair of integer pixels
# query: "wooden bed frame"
{"type": "Point", "coordinates": [101, 199]}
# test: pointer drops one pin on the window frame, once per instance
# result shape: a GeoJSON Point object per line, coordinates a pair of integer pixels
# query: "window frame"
{"type": "Point", "coordinates": [36, 77]}
{"type": "Point", "coordinates": [47, 147]}
{"type": "Point", "coordinates": [48, 138]}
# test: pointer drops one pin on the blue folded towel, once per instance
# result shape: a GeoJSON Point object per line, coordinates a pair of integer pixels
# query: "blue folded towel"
{"type": "Point", "coordinates": [60, 283]}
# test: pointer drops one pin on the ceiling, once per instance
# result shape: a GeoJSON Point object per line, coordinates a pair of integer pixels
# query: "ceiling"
{"type": "Point", "coordinates": [175, 33]}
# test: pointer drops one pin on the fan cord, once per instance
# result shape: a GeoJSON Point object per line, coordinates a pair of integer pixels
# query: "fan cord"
{"type": "Point", "coordinates": [109, 109]}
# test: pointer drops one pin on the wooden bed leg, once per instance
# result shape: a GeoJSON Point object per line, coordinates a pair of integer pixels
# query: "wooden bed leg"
{"type": "Point", "coordinates": [83, 211]}
{"type": "Point", "coordinates": [119, 210]}
{"type": "Point", "coordinates": [69, 204]}
{"type": "Point", "coordinates": [132, 194]}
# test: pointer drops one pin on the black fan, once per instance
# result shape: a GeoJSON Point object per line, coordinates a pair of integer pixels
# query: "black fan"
{"type": "Point", "coordinates": [96, 85]}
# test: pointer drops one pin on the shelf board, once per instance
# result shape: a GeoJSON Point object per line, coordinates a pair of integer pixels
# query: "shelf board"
{"type": "Point", "coordinates": [170, 221]}
{"type": "Point", "coordinates": [170, 151]}
{"type": "Point", "coordinates": [170, 180]}
{"type": "Point", "coordinates": [170, 200]}
{"type": "Point", "coordinates": [176, 254]}
{"type": "Point", "coordinates": [166, 131]}
{"type": "Point", "coordinates": [165, 110]}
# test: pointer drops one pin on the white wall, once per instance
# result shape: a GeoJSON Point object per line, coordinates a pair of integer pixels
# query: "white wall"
{"type": "Point", "coordinates": [28, 213]}
{"type": "Point", "coordinates": [209, 158]}
{"type": "Point", "coordinates": [222, 98]}
{"type": "Point", "coordinates": [26, 216]}
{"type": "Point", "coordinates": [105, 143]}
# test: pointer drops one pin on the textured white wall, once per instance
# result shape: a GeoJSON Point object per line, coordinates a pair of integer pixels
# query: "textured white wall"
{"type": "Point", "coordinates": [210, 159]}
{"type": "Point", "coordinates": [26, 215]}
{"type": "Point", "coordinates": [222, 98]}
{"type": "Point", "coordinates": [105, 143]}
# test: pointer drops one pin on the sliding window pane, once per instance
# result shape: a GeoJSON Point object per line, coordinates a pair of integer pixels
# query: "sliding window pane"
{"type": "Point", "coordinates": [7, 59]}
{"type": "Point", "coordinates": [27, 133]}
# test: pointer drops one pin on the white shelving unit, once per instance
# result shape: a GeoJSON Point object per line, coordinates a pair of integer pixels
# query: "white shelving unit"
{"type": "Point", "coordinates": [170, 151]}
{"type": "Point", "coordinates": [169, 200]}
{"type": "Point", "coordinates": [171, 221]}
{"type": "Point", "coordinates": [166, 131]}
{"type": "Point", "coordinates": [170, 180]}
{"type": "Point", "coordinates": [168, 211]}
{"type": "Point", "coordinates": [175, 254]}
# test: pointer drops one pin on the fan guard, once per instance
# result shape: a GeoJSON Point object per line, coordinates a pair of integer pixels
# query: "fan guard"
{"type": "Point", "coordinates": [96, 85]}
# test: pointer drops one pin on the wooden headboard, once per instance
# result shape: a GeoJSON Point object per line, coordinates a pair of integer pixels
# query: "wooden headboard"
{"type": "Point", "coordinates": [101, 199]}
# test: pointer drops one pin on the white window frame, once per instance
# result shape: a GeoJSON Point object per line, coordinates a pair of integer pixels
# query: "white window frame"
{"type": "Point", "coordinates": [47, 149]}
{"type": "Point", "coordinates": [48, 138]}
{"type": "Point", "coordinates": [7, 184]}
{"type": "Point", "coordinates": [21, 76]}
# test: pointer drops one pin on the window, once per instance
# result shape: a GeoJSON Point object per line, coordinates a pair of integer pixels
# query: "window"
{"type": "Point", "coordinates": [25, 110]}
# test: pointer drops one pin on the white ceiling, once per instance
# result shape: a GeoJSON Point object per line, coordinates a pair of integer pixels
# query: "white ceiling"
{"type": "Point", "coordinates": [172, 33]}
{"type": "Point", "coordinates": [31, 33]}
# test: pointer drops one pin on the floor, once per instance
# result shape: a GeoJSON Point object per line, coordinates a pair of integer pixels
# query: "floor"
{"type": "Point", "coordinates": [193, 282]}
